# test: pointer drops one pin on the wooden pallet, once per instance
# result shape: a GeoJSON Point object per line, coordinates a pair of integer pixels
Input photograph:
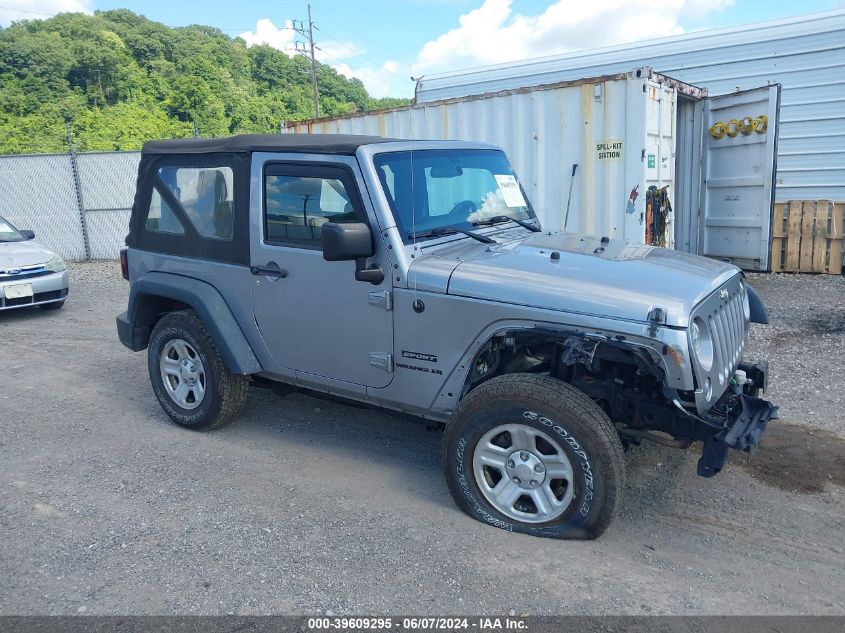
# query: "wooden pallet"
{"type": "Point", "coordinates": [808, 236]}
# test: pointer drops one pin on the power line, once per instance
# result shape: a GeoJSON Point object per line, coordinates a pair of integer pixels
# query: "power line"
{"type": "Point", "coordinates": [357, 53]}
{"type": "Point", "coordinates": [370, 74]}
{"type": "Point", "coordinates": [240, 29]}
{"type": "Point", "coordinates": [26, 11]}
{"type": "Point", "coordinates": [348, 30]}
{"type": "Point", "coordinates": [338, 24]}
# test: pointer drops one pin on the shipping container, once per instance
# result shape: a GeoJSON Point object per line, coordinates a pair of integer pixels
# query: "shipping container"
{"type": "Point", "coordinates": [805, 54]}
{"type": "Point", "coordinates": [627, 155]}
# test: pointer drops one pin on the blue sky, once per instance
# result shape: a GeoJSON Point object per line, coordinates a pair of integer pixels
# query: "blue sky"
{"type": "Point", "coordinates": [384, 42]}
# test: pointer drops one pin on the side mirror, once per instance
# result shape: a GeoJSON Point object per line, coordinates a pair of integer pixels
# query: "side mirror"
{"type": "Point", "coordinates": [346, 242]}
{"type": "Point", "coordinates": [352, 241]}
{"type": "Point", "coordinates": [30, 235]}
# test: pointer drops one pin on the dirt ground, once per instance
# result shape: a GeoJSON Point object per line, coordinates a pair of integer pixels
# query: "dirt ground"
{"type": "Point", "coordinates": [306, 506]}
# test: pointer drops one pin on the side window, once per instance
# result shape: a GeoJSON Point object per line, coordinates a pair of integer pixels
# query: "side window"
{"type": "Point", "coordinates": [205, 194]}
{"type": "Point", "coordinates": [296, 207]}
{"type": "Point", "coordinates": [161, 217]}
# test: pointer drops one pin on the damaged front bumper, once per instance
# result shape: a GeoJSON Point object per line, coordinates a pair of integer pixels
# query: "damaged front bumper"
{"type": "Point", "coordinates": [744, 417]}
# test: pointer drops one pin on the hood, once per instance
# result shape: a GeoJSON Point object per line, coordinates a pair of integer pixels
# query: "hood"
{"type": "Point", "coordinates": [20, 254]}
{"type": "Point", "coordinates": [574, 273]}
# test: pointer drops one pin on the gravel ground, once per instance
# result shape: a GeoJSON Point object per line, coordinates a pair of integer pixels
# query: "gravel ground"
{"type": "Point", "coordinates": [305, 506]}
{"type": "Point", "coordinates": [805, 346]}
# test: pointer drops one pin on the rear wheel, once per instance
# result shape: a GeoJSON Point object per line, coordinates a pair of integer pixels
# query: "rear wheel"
{"type": "Point", "coordinates": [533, 454]}
{"type": "Point", "coordinates": [188, 374]}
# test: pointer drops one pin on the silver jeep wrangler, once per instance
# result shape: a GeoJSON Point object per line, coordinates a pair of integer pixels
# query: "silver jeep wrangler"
{"type": "Point", "coordinates": [414, 276]}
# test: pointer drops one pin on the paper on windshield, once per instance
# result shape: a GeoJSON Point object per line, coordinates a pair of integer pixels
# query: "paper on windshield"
{"type": "Point", "coordinates": [511, 192]}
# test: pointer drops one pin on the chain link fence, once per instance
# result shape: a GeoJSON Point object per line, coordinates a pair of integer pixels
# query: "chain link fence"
{"type": "Point", "coordinates": [77, 204]}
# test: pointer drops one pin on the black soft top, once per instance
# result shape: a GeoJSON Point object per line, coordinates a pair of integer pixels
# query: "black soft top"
{"type": "Point", "coordinates": [345, 144]}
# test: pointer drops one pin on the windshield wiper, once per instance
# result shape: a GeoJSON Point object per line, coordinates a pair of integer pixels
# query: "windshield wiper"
{"type": "Point", "coordinates": [498, 219]}
{"type": "Point", "coordinates": [451, 230]}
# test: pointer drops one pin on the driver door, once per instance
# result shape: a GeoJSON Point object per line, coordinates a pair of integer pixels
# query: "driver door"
{"type": "Point", "coordinates": [314, 317]}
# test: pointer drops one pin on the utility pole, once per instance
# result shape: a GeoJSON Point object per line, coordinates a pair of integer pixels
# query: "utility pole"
{"type": "Point", "coordinates": [309, 35]}
{"type": "Point", "coordinates": [313, 64]}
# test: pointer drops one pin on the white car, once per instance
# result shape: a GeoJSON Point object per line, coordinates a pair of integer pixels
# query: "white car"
{"type": "Point", "coordinates": [29, 273]}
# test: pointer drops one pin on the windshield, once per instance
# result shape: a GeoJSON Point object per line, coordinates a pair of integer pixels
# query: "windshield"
{"type": "Point", "coordinates": [8, 233]}
{"type": "Point", "coordinates": [429, 190]}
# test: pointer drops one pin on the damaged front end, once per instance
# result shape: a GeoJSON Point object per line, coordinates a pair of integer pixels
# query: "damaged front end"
{"type": "Point", "coordinates": [736, 421]}
{"type": "Point", "coordinates": [632, 391]}
{"type": "Point", "coordinates": [740, 416]}
{"type": "Point", "coordinates": [639, 387]}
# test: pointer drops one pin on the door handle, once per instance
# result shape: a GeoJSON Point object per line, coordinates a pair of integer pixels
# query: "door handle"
{"type": "Point", "coordinates": [272, 270]}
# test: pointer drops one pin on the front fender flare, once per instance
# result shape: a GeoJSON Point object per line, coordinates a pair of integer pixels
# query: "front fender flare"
{"type": "Point", "coordinates": [208, 303]}
{"type": "Point", "coordinates": [755, 304]}
{"type": "Point", "coordinates": [667, 347]}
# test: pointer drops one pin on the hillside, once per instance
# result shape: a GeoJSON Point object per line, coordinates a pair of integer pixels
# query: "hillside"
{"type": "Point", "coordinates": [120, 79]}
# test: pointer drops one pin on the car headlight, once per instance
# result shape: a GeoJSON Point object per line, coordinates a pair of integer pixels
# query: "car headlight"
{"type": "Point", "coordinates": [56, 265]}
{"type": "Point", "coordinates": [702, 343]}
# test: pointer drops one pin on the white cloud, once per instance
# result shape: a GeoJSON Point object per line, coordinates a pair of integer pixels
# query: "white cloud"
{"type": "Point", "coordinates": [377, 79]}
{"type": "Point", "coordinates": [494, 33]}
{"type": "Point", "coordinates": [266, 32]}
{"type": "Point", "coordinates": [13, 10]}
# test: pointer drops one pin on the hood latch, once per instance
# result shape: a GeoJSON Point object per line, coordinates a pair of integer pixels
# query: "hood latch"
{"type": "Point", "coordinates": [655, 317]}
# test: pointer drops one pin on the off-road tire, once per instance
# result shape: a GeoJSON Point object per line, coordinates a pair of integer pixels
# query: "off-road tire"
{"type": "Point", "coordinates": [226, 393]}
{"type": "Point", "coordinates": [584, 431]}
{"type": "Point", "coordinates": [55, 305]}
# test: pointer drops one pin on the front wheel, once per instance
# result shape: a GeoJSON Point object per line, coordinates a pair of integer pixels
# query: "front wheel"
{"type": "Point", "coordinates": [535, 455]}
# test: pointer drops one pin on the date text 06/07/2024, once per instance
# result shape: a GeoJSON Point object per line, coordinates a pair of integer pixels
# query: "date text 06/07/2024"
{"type": "Point", "coordinates": [492, 623]}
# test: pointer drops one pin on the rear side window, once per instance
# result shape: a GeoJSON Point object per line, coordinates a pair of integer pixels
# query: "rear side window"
{"type": "Point", "coordinates": [297, 206]}
{"type": "Point", "coordinates": [205, 195]}
{"type": "Point", "coordinates": [161, 217]}
{"type": "Point", "coordinates": [193, 206]}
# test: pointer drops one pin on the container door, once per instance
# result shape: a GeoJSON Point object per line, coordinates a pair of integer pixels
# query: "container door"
{"type": "Point", "coordinates": [740, 148]}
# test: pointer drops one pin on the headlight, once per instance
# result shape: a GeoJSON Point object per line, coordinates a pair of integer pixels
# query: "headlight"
{"type": "Point", "coordinates": [57, 264]}
{"type": "Point", "coordinates": [702, 343]}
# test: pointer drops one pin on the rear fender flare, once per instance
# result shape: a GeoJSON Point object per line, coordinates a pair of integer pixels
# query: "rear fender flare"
{"type": "Point", "coordinates": [207, 302]}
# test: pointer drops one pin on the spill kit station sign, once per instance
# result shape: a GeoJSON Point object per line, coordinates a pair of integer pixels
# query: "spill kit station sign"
{"type": "Point", "coordinates": [610, 149]}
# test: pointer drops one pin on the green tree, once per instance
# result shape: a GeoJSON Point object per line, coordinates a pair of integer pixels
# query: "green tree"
{"type": "Point", "coordinates": [124, 126]}
{"type": "Point", "coordinates": [121, 79]}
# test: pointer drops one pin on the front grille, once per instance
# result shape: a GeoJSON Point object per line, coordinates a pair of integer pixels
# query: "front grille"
{"type": "Point", "coordinates": [729, 331]}
{"type": "Point", "coordinates": [26, 272]}
{"type": "Point", "coordinates": [724, 313]}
